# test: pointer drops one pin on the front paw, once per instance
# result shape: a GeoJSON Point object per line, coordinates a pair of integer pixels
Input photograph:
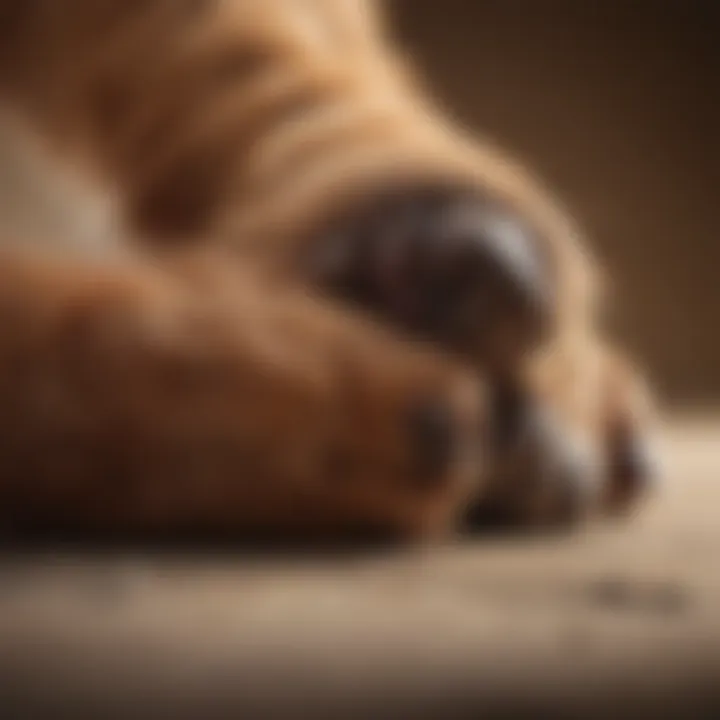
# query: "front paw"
{"type": "Point", "coordinates": [552, 467]}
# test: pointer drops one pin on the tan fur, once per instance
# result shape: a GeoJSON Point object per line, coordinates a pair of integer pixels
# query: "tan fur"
{"type": "Point", "coordinates": [146, 399]}
{"type": "Point", "coordinates": [234, 119]}
{"type": "Point", "coordinates": [238, 127]}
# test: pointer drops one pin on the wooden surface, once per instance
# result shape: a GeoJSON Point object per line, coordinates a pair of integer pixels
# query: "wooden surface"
{"type": "Point", "coordinates": [613, 622]}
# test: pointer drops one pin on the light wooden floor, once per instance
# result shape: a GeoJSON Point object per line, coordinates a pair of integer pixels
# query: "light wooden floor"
{"type": "Point", "coordinates": [609, 622]}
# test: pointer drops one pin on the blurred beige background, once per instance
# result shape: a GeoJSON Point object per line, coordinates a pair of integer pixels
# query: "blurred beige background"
{"type": "Point", "coordinates": [617, 104]}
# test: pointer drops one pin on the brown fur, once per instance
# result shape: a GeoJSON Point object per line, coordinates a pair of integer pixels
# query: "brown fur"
{"type": "Point", "coordinates": [236, 127]}
{"type": "Point", "coordinates": [139, 398]}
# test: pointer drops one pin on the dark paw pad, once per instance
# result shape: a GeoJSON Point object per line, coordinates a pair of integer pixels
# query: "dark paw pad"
{"type": "Point", "coordinates": [451, 267]}
{"type": "Point", "coordinates": [633, 469]}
